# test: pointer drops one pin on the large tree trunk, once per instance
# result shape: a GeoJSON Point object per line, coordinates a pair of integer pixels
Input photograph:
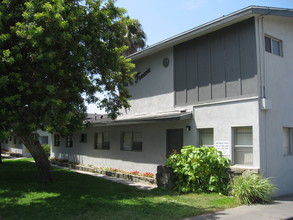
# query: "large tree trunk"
{"type": "Point", "coordinates": [40, 157]}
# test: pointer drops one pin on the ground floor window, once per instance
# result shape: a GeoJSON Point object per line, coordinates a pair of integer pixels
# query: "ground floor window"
{"type": "Point", "coordinates": [102, 141]}
{"type": "Point", "coordinates": [69, 141]}
{"type": "Point", "coordinates": [56, 140]}
{"type": "Point", "coordinates": [288, 141]}
{"type": "Point", "coordinates": [206, 137]}
{"type": "Point", "coordinates": [243, 146]}
{"type": "Point", "coordinates": [131, 141]}
{"type": "Point", "coordinates": [83, 138]}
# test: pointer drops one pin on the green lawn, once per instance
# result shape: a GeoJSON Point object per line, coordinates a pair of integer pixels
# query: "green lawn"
{"type": "Point", "coordinates": [78, 196]}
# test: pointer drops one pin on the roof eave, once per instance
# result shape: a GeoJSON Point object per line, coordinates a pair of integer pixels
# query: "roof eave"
{"type": "Point", "coordinates": [214, 25]}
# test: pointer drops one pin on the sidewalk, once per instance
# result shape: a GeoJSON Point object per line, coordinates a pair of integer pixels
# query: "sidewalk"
{"type": "Point", "coordinates": [281, 208]}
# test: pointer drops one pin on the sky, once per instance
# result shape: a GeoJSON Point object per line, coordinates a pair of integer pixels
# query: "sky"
{"type": "Point", "coordinates": [162, 19]}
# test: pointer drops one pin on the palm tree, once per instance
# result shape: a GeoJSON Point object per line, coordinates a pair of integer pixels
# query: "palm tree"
{"type": "Point", "coordinates": [135, 37]}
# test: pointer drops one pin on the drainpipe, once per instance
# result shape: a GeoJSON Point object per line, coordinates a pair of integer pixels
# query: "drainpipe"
{"type": "Point", "coordinates": [262, 120]}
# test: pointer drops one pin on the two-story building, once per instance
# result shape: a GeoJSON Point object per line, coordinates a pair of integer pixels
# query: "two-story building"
{"type": "Point", "coordinates": [227, 83]}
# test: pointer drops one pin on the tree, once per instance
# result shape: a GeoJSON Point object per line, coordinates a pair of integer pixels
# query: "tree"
{"type": "Point", "coordinates": [54, 55]}
{"type": "Point", "coordinates": [135, 37]}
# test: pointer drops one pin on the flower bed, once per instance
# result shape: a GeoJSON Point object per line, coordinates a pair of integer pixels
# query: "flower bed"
{"type": "Point", "coordinates": [133, 176]}
{"type": "Point", "coordinates": [9, 153]}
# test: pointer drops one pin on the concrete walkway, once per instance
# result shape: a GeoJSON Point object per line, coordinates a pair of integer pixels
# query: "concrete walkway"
{"type": "Point", "coordinates": [281, 208]}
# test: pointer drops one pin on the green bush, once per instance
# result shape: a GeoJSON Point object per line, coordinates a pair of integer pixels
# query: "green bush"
{"type": "Point", "coordinates": [251, 188]}
{"type": "Point", "coordinates": [46, 147]}
{"type": "Point", "coordinates": [199, 169]}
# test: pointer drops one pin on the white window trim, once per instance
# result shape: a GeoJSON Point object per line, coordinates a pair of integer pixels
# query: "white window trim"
{"type": "Point", "coordinates": [235, 146]}
{"type": "Point", "coordinates": [271, 41]}
{"type": "Point", "coordinates": [289, 151]}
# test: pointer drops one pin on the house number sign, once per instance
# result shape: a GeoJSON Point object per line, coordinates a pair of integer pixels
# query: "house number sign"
{"type": "Point", "coordinates": [223, 146]}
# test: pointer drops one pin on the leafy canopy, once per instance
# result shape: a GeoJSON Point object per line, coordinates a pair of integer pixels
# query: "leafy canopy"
{"type": "Point", "coordinates": [56, 53]}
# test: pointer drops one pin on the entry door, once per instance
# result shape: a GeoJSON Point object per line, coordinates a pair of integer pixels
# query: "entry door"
{"type": "Point", "coordinates": [174, 140]}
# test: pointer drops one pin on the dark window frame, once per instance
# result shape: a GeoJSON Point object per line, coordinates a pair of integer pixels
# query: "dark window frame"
{"type": "Point", "coordinates": [69, 141]}
{"type": "Point", "coordinates": [136, 146]}
{"type": "Point", "coordinates": [56, 140]}
{"type": "Point", "coordinates": [105, 141]}
{"type": "Point", "coordinates": [273, 45]}
{"type": "Point", "coordinates": [83, 138]}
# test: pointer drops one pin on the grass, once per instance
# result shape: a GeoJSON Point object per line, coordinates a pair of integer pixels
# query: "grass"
{"type": "Point", "coordinates": [78, 196]}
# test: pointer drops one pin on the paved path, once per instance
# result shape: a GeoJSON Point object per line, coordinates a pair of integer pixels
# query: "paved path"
{"type": "Point", "coordinates": [281, 208]}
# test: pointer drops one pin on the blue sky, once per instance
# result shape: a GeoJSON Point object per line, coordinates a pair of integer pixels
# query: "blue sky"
{"type": "Point", "coordinates": [162, 19]}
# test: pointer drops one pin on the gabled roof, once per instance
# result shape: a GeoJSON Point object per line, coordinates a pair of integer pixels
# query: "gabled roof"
{"type": "Point", "coordinates": [214, 25]}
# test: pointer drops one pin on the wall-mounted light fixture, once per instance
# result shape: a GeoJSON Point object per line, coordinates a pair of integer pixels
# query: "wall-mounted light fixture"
{"type": "Point", "coordinates": [188, 127]}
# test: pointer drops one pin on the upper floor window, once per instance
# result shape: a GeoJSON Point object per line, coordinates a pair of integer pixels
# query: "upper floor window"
{"type": "Point", "coordinates": [131, 141]}
{"type": "Point", "coordinates": [69, 141]}
{"type": "Point", "coordinates": [102, 141]}
{"type": "Point", "coordinates": [206, 137]}
{"type": "Point", "coordinates": [273, 45]}
{"type": "Point", "coordinates": [56, 140]}
{"type": "Point", "coordinates": [243, 146]}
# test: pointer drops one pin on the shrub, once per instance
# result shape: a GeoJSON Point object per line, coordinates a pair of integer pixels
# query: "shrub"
{"type": "Point", "coordinates": [46, 147]}
{"type": "Point", "coordinates": [199, 169]}
{"type": "Point", "coordinates": [252, 188]}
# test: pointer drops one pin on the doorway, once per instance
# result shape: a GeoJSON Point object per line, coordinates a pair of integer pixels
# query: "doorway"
{"type": "Point", "coordinates": [174, 140]}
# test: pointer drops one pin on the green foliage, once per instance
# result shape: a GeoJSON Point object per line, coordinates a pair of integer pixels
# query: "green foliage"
{"type": "Point", "coordinates": [54, 55]}
{"type": "Point", "coordinates": [199, 169]}
{"type": "Point", "coordinates": [46, 147]}
{"type": "Point", "coordinates": [251, 188]}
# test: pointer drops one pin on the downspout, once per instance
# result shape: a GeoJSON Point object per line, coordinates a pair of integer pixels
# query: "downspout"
{"type": "Point", "coordinates": [262, 114]}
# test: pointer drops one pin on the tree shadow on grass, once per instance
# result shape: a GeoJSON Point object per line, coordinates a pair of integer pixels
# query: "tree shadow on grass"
{"type": "Point", "coordinates": [77, 196]}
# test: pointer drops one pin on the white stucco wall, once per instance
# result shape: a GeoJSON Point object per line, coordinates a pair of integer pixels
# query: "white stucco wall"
{"type": "Point", "coordinates": [153, 152]}
{"type": "Point", "coordinates": [222, 118]}
{"type": "Point", "coordinates": [279, 91]}
{"type": "Point", "coordinates": [225, 116]}
{"type": "Point", "coordinates": [154, 92]}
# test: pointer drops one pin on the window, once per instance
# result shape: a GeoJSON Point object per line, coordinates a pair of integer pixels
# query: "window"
{"type": "Point", "coordinates": [131, 141]}
{"type": "Point", "coordinates": [206, 137]}
{"type": "Point", "coordinates": [56, 140]}
{"type": "Point", "coordinates": [14, 139]}
{"type": "Point", "coordinates": [288, 141]}
{"type": "Point", "coordinates": [83, 138]}
{"type": "Point", "coordinates": [102, 141]}
{"type": "Point", "coordinates": [243, 148]}
{"type": "Point", "coordinates": [69, 141]}
{"type": "Point", "coordinates": [273, 46]}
